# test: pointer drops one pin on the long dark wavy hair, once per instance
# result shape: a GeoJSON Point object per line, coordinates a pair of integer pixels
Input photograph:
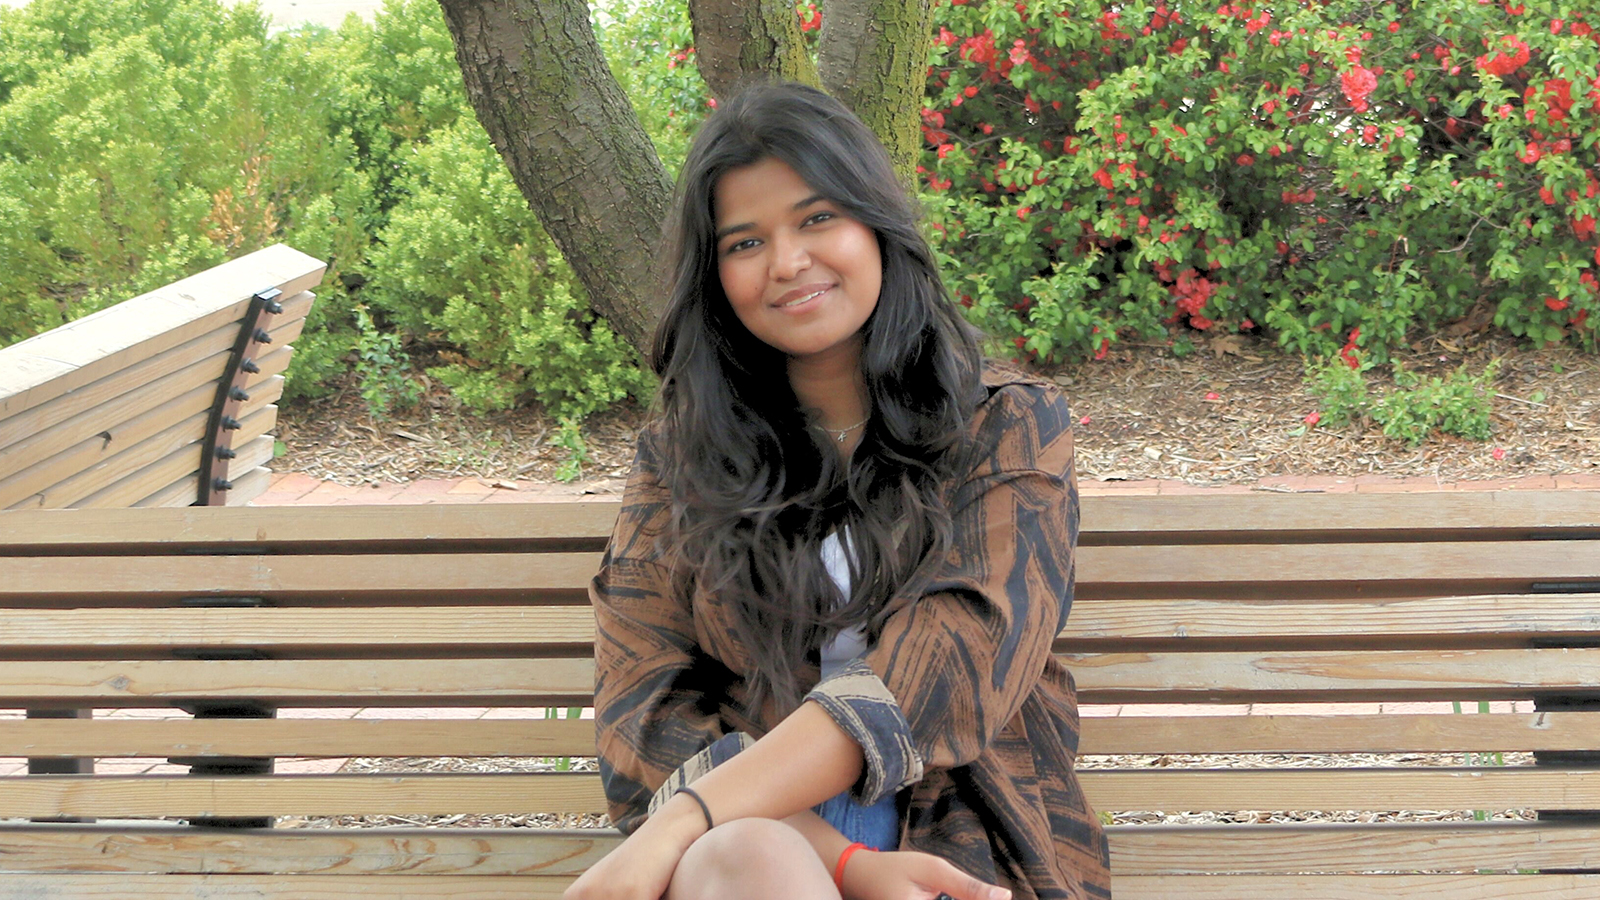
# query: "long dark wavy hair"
{"type": "Point", "coordinates": [755, 487]}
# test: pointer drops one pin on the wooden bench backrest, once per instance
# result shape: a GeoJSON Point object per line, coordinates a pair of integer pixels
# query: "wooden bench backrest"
{"type": "Point", "coordinates": [1320, 599]}
{"type": "Point", "coordinates": [111, 410]}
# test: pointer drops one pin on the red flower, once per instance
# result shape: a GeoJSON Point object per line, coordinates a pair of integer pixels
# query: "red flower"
{"type": "Point", "coordinates": [1499, 453]}
{"type": "Point", "coordinates": [1359, 83]}
{"type": "Point", "coordinates": [1022, 212]}
{"type": "Point", "coordinates": [1530, 154]}
{"type": "Point", "coordinates": [1213, 395]}
{"type": "Point", "coordinates": [1555, 305]}
{"type": "Point", "coordinates": [1503, 64]}
{"type": "Point", "coordinates": [1246, 159]}
{"type": "Point", "coordinates": [1313, 418]}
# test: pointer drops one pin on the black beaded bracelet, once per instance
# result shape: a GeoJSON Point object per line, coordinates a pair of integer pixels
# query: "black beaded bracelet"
{"type": "Point", "coordinates": [703, 807]}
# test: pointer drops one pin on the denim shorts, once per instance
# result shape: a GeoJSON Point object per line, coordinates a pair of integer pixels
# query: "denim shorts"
{"type": "Point", "coordinates": [877, 826]}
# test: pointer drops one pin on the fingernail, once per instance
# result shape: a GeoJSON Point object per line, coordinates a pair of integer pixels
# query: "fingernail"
{"type": "Point", "coordinates": [999, 894]}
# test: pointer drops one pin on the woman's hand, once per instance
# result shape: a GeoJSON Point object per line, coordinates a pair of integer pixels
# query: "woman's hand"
{"type": "Point", "coordinates": [641, 868]}
{"type": "Point", "coordinates": [908, 875]}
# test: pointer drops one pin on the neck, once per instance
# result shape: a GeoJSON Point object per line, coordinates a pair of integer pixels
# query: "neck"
{"type": "Point", "coordinates": [833, 387]}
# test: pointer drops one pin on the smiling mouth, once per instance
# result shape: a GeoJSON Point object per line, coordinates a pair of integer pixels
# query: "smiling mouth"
{"type": "Point", "coordinates": [806, 299]}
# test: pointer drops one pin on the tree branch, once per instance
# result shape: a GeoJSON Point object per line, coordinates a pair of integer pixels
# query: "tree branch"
{"type": "Point", "coordinates": [539, 84]}
{"type": "Point", "coordinates": [874, 57]}
{"type": "Point", "coordinates": [738, 41]}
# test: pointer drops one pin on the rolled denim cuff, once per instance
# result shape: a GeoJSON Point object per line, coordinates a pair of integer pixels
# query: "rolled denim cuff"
{"type": "Point", "coordinates": [859, 702]}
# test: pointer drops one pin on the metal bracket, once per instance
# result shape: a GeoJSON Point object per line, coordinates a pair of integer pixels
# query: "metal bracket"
{"type": "Point", "coordinates": [217, 449]}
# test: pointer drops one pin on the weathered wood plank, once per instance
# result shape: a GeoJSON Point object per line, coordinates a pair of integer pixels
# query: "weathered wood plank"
{"type": "Point", "coordinates": [560, 629]}
{"type": "Point", "coordinates": [1135, 850]}
{"type": "Point", "coordinates": [175, 465]}
{"type": "Point", "coordinates": [39, 738]}
{"type": "Point", "coordinates": [1472, 847]}
{"type": "Point", "coordinates": [151, 849]}
{"type": "Point", "coordinates": [320, 529]}
{"type": "Point", "coordinates": [1330, 675]}
{"type": "Point", "coordinates": [37, 445]}
{"type": "Point", "coordinates": [47, 488]}
{"type": "Point", "coordinates": [1389, 733]}
{"type": "Point", "coordinates": [1424, 517]}
{"type": "Point", "coordinates": [115, 392]}
{"type": "Point", "coordinates": [1102, 571]}
{"type": "Point", "coordinates": [1383, 733]}
{"type": "Point", "coordinates": [1356, 887]}
{"type": "Point", "coordinates": [541, 887]}
{"type": "Point", "coordinates": [36, 684]}
{"type": "Point", "coordinates": [79, 886]}
{"type": "Point", "coordinates": [1173, 790]}
{"type": "Point", "coordinates": [1179, 790]}
{"type": "Point", "coordinates": [523, 575]}
{"type": "Point", "coordinates": [1321, 518]}
{"type": "Point", "coordinates": [67, 358]}
{"type": "Point", "coordinates": [1510, 617]}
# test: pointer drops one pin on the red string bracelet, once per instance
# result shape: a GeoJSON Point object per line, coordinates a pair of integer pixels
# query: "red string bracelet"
{"type": "Point", "coordinates": [838, 870]}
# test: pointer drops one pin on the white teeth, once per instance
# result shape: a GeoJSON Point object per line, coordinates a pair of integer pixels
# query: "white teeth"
{"type": "Point", "coordinates": [805, 298]}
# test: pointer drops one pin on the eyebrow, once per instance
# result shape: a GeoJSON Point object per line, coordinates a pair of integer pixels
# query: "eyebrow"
{"type": "Point", "coordinates": [745, 226]}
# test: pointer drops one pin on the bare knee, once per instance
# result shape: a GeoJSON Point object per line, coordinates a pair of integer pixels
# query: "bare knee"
{"type": "Point", "coordinates": [751, 858]}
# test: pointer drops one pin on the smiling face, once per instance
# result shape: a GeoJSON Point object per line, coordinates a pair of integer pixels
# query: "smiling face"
{"type": "Point", "coordinates": [801, 274]}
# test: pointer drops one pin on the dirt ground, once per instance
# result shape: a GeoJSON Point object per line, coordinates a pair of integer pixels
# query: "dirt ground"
{"type": "Point", "coordinates": [1143, 413]}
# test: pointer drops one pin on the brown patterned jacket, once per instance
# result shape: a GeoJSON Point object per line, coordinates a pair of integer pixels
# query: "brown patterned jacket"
{"type": "Point", "coordinates": [960, 706]}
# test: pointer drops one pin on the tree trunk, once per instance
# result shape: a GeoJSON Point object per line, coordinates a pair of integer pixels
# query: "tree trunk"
{"type": "Point", "coordinates": [737, 41]}
{"type": "Point", "coordinates": [539, 84]}
{"type": "Point", "coordinates": [873, 56]}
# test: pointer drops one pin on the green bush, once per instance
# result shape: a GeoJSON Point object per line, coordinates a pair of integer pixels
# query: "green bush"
{"type": "Point", "coordinates": [1102, 170]}
{"type": "Point", "coordinates": [1458, 404]}
{"type": "Point", "coordinates": [464, 263]}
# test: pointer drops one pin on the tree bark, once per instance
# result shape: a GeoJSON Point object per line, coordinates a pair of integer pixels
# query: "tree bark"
{"type": "Point", "coordinates": [738, 41]}
{"type": "Point", "coordinates": [539, 84]}
{"type": "Point", "coordinates": [873, 56]}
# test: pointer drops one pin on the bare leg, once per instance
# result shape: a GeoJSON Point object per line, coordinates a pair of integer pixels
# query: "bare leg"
{"type": "Point", "coordinates": [752, 859]}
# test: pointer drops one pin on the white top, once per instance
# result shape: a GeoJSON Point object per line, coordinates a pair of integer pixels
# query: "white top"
{"type": "Point", "coordinates": [852, 642]}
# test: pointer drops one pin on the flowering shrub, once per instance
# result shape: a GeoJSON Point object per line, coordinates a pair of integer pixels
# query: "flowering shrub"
{"type": "Point", "coordinates": [1336, 175]}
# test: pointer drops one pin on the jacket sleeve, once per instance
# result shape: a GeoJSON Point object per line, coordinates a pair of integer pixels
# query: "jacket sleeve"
{"type": "Point", "coordinates": [954, 665]}
{"type": "Point", "coordinates": [656, 704]}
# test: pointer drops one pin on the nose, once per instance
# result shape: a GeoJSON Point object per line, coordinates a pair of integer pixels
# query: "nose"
{"type": "Point", "coordinates": [789, 257]}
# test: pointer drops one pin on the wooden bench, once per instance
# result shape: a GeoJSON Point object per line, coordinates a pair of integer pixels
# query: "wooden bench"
{"type": "Point", "coordinates": [162, 400]}
{"type": "Point", "coordinates": [1324, 600]}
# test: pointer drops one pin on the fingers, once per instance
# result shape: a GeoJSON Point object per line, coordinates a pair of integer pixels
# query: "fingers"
{"type": "Point", "coordinates": [958, 885]}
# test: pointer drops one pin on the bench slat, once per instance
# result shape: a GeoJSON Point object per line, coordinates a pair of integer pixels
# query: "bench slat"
{"type": "Point", "coordinates": [36, 444]}
{"type": "Point", "coordinates": [186, 460]}
{"type": "Point", "coordinates": [1389, 733]}
{"type": "Point", "coordinates": [541, 887]}
{"type": "Point", "coordinates": [1103, 572]}
{"type": "Point", "coordinates": [1094, 626]}
{"type": "Point", "coordinates": [78, 353]}
{"type": "Point", "coordinates": [1171, 790]}
{"type": "Point", "coordinates": [1135, 849]}
{"type": "Point", "coordinates": [40, 738]}
{"type": "Point", "coordinates": [1416, 620]}
{"type": "Point", "coordinates": [189, 410]}
{"type": "Point", "coordinates": [289, 887]}
{"type": "Point", "coordinates": [35, 684]}
{"type": "Point", "coordinates": [1328, 518]}
{"type": "Point", "coordinates": [397, 628]}
{"type": "Point", "coordinates": [430, 527]}
{"type": "Point", "coordinates": [350, 578]}
{"type": "Point", "coordinates": [1356, 887]}
{"type": "Point", "coordinates": [1330, 675]}
{"type": "Point", "coordinates": [1101, 678]}
{"type": "Point", "coordinates": [1508, 846]}
{"type": "Point", "coordinates": [1382, 733]}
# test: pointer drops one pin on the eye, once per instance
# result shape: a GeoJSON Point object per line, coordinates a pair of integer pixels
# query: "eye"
{"type": "Point", "coordinates": [821, 216]}
{"type": "Point", "coordinates": [741, 245]}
